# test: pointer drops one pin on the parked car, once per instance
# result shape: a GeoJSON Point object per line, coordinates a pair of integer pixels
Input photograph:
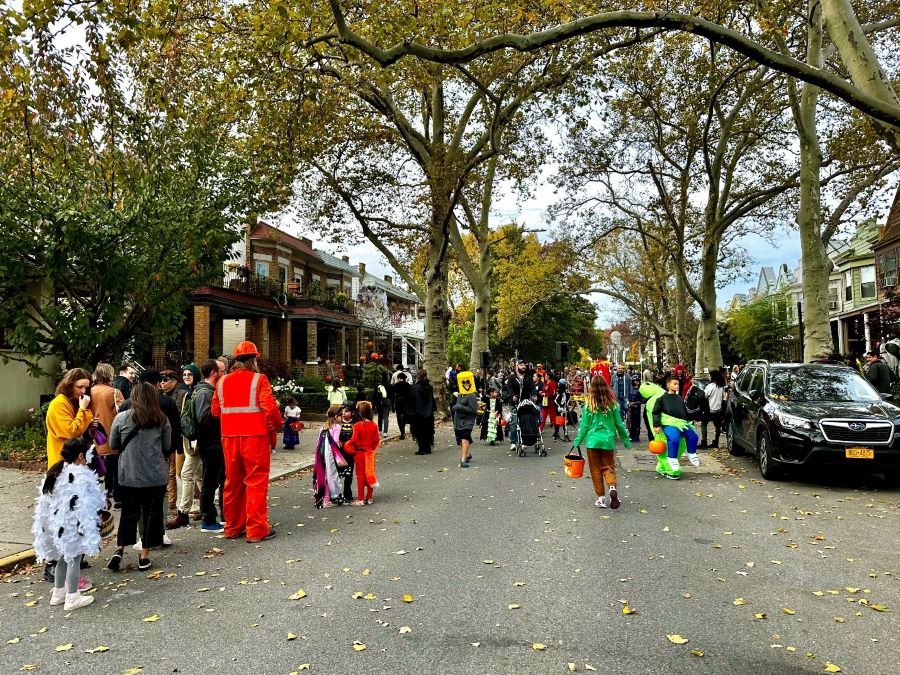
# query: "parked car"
{"type": "Point", "coordinates": [794, 415]}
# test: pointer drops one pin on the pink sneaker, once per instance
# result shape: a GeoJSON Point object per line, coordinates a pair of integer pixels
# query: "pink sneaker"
{"type": "Point", "coordinates": [84, 585]}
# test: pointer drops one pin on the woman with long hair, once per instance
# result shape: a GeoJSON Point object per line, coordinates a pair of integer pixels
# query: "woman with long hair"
{"type": "Point", "coordinates": [69, 414]}
{"type": "Point", "coordinates": [105, 400]}
{"type": "Point", "coordinates": [143, 437]}
{"type": "Point", "coordinates": [601, 421]}
{"type": "Point", "coordinates": [715, 396]}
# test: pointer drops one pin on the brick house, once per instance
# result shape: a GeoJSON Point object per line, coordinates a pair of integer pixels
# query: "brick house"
{"type": "Point", "coordinates": [887, 261]}
{"type": "Point", "coordinates": [293, 302]}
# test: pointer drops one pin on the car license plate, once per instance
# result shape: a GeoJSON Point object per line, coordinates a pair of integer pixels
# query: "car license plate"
{"type": "Point", "coordinates": [860, 453]}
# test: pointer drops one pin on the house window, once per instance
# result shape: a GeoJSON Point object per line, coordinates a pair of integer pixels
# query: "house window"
{"type": "Point", "coordinates": [867, 282]}
{"type": "Point", "coordinates": [848, 286]}
{"type": "Point", "coordinates": [832, 297]}
{"type": "Point", "coordinates": [282, 274]}
{"type": "Point", "coordinates": [889, 269]}
{"type": "Point", "coordinates": [262, 268]}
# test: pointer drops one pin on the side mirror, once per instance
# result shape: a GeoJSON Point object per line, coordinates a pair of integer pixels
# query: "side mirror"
{"type": "Point", "coordinates": [753, 394]}
{"type": "Point", "coordinates": [887, 397]}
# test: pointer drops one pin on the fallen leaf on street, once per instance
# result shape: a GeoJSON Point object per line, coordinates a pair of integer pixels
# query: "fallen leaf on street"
{"type": "Point", "coordinates": [96, 650]}
{"type": "Point", "coordinates": [760, 616]}
{"type": "Point", "coordinates": [407, 598]}
{"type": "Point", "coordinates": [587, 666]}
{"type": "Point", "coordinates": [696, 652]}
{"type": "Point", "coordinates": [291, 636]}
{"type": "Point", "coordinates": [880, 608]}
{"type": "Point", "coordinates": [133, 671]}
{"type": "Point", "coordinates": [13, 641]}
{"type": "Point", "coordinates": [788, 610]}
{"type": "Point", "coordinates": [738, 601]}
{"type": "Point", "coordinates": [65, 647]}
{"type": "Point", "coordinates": [832, 668]}
{"type": "Point", "coordinates": [513, 606]}
{"type": "Point", "coordinates": [29, 666]}
{"type": "Point", "coordinates": [677, 639]}
{"type": "Point", "coordinates": [358, 646]}
{"type": "Point", "coordinates": [627, 610]}
{"type": "Point", "coordinates": [571, 666]}
{"type": "Point", "coordinates": [151, 618]}
{"type": "Point", "coordinates": [370, 596]}
{"type": "Point", "coordinates": [299, 595]}
{"type": "Point", "coordinates": [357, 596]}
{"type": "Point", "coordinates": [405, 629]}
{"type": "Point", "coordinates": [538, 646]}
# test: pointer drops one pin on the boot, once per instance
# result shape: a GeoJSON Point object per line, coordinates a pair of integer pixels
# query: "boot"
{"type": "Point", "coordinates": [179, 520]}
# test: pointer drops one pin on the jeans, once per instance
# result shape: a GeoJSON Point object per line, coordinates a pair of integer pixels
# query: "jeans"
{"type": "Point", "coordinates": [673, 440]}
{"type": "Point", "coordinates": [191, 480]}
{"type": "Point", "coordinates": [384, 416]}
{"type": "Point", "coordinates": [716, 419]}
{"type": "Point", "coordinates": [634, 422]}
{"type": "Point", "coordinates": [401, 421]}
{"type": "Point", "coordinates": [623, 406]}
{"type": "Point", "coordinates": [213, 479]}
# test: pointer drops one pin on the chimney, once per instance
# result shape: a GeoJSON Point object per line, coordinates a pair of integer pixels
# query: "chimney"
{"type": "Point", "coordinates": [362, 269]}
{"type": "Point", "coordinates": [346, 259]}
{"type": "Point", "coordinates": [307, 241]}
{"type": "Point", "coordinates": [388, 278]}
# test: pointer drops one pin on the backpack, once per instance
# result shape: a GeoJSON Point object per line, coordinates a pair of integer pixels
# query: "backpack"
{"type": "Point", "coordinates": [188, 420]}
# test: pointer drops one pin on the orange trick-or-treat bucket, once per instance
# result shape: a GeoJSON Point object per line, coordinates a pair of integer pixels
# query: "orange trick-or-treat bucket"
{"type": "Point", "coordinates": [574, 465]}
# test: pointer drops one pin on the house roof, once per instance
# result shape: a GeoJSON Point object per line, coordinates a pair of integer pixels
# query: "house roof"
{"type": "Point", "coordinates": [338, 263]}
{"type": "Point", "coordinates": [390, 289]}
{"type": "Point", "coordinates": [264, 231]}
{"type": "Point", "coordinates": [892, 226]}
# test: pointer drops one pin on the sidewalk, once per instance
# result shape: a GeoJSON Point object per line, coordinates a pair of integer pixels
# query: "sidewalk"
{"type": "Point", "coordinates": [18, 490]}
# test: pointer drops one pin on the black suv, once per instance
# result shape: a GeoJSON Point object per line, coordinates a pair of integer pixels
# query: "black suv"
{"type": "Point", "coordinates": [791, 414]}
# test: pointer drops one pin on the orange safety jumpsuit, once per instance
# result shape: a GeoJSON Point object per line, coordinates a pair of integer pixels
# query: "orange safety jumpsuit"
{"type": "Point", "coordinates": [245, 402]}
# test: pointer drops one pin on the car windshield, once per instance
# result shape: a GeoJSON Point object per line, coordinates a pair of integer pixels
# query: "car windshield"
{"type": "Point", "coordinates": [820, 384]}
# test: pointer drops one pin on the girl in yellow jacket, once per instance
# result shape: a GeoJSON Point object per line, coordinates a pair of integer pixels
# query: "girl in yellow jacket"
{"type": "Point", "coordinates": [68, 415]}
{"type": "Point", "coordinates": [601, 421]}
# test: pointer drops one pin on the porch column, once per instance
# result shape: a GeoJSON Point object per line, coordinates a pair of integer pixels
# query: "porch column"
{"type": "Point", "coordinates": [842, 339]}
{"type": "Point", "coordinates": [354, 346]}
{"type": "Point", "coordinates": [340, 357]}
{"type": "Point", "coordinates": [286, 355]}
{"type": "Point", "coordinates": [403, 348]}
{"type": "Point", "coordinates": [312, 342]}
{"type": "Point", "coordinates": [261, 326]}
{"type": "Point", "coordinates": [867, 331]}
{"type": "Point", "coordinates": [201, 333]}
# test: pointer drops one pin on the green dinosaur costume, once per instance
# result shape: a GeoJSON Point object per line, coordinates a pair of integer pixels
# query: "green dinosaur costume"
{"type": "Point", "coordinates": [652, 392]}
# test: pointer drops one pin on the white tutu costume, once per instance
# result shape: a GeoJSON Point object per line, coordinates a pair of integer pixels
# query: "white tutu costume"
{"type": "Point", "coordinates": [66, 522]}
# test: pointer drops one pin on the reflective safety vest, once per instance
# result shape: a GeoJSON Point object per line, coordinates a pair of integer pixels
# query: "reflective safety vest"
{"type": "Point", "coordinates": [244, 401]}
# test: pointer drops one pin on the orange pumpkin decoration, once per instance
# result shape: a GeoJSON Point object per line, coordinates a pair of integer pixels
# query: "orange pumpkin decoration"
{"type": "Point", "coordinates": [328, 378]}
{"type": "Point", "coordinates": [370, 344]}
{"type": "Point", "coordinates": [657, 447]}
{"type": "Point", "coordinates": [559, 421]}
{"type": "Point", "coordinates": [375, 356]}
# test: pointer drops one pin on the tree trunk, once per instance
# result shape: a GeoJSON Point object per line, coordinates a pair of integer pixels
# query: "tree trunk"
{"type": "Point", "coordinates": [681, 312]}
{"type": "Point", "coordinates": [860, 59]}
{"type": "Point", "coordinates": [709, 349]}
{"type": "Point", "coordinates": [815, 264]}
{"type": "Point", "coordinates": [482, 290]}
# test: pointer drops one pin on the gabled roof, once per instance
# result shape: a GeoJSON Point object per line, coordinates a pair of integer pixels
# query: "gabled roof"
{"type": "Point", "coordinates": [338, 263]}
{"type": "Point", "coordinates": [766, 279]}
{"type": "Point", "coordinates": [892, 226]}
{"type": "Point", "coordinates": [390, 289]}
{"type": "Point", "coordinates": [265, 232]}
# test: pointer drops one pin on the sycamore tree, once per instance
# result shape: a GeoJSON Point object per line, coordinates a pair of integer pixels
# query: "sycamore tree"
{"type": "Point", "coordinates": [125, 181]}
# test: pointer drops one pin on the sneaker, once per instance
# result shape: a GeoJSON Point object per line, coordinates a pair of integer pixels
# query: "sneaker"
{"type": "Point", "coordinates": [269, 535]}
{"type": "Point", "coordinates": [601, 503]}
{"type": "Point", "coordinates": [673, 463]}
{"type": "Point", "coordinates": [512, 447]}
{"type": "Point", "coordinates": [114, 562]}
{"type": "Point", "coordinates": [613, 497]}
{"type": "Point", "coordinates": [178, 520]}
{"type": "Point", "coordinates": [212, 527]}
{"type": "Point", "coordinates": [166, 540]}
{"type": "Point", "coordinates": [463, 465]}
{"type": "Point", "coordinates": [84, 585]}
{"type": "Point", "coordinates": [144, 564]}
{"type": "Point", "coordinates": [76, 601]}
{"type": "Point", "coordinates": [138, 545]}
{"type": "Point", "coordinates": [694, 459]}
{"type": "Point", "coordinates": [57, 596]}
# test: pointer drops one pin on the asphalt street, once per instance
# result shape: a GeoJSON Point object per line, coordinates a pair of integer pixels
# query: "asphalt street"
{"type": "Point", "coordinates": [506, 567]}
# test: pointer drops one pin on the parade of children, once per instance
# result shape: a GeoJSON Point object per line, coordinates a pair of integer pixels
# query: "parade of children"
{"type": "Point", "coordinates": [73, 501]}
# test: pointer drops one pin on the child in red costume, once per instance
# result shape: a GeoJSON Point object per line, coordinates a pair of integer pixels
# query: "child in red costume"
{"type": "Point", "coordinates": [362, 445]}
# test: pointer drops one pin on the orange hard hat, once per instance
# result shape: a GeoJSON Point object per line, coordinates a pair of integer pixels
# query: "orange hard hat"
{"type": "Point", "coordinates": [246, 348]}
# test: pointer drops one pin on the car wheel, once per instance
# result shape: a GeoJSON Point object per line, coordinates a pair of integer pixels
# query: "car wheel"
{"type": "Point", "coordinates": [764, 456]}
{"type": "Point", "coordinates": [731, 445]}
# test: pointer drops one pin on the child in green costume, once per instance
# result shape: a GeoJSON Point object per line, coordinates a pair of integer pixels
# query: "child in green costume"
{"type": "Point", "coordinates": [653, 392]}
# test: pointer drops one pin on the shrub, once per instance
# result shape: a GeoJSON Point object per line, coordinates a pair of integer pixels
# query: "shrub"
{"type": "Point", "coordinates": [27, 442]}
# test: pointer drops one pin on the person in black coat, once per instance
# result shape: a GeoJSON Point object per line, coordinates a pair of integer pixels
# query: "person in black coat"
{"type": "Point", "coordinates": [498, 411]}
{"type": "Point", "coordinates": [402, 395]}
{"type": "Point", "coordinates": [423, 407]}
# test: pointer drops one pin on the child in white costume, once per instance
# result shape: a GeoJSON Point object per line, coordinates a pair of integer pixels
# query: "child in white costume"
{"type": "Point", "coordinates": [66, 521]}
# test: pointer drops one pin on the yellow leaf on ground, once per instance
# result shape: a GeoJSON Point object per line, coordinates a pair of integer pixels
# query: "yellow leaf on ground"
{"type": "Point", "coordinates": [588, 666]}
{"type": "Point", "coordinates": [513, 606]}
{"type": "Point", "coordinates": [405, 629]}
{"type": "Point", "coordinates": [151, 618]}
{"type": "Point", "coordinates": [303, 666]}
{"type": "Point", "coordinates": [520, 583]}
{"type": "Point", "coordinates": [488, 562]}
{"type": "Point", "coordinates": [13, 641]}
{"type": "Point", "coordinates": [738, 601]}
{"type": "Point", "coordinates": [696, 652]}
{"type": "Point", "coordinates": [291, 636]}
{"type": "Point", "coordinates": [839, 619]}
{"type": "Point", "coordinates": [31, 603]}
{"type": "Point", "coordinates": [29, 666]}
{"type": "Point", "coordinates": [832, 668]}
{"type": "Point", "coordinates": [357, 596]}
{"type": "Point", "coordinates": [407, 598]}
{"type": "Point", "coordinates": [677, 639]}
{"type": "Point", "coordinates": [366, 572]}
{"type": "Point", "coordinates": [65, 647]}
{"type": "Point", "coordinates": [788, 610]}
{"type": "Point", "coordinates": [359, 646]}
{"type": "Point", "coordinates": [299, 595]}
{"type": "Point", "coordinates": [96, 650]}
{"type": "Point", "coordinates": [538, 646]}
{"type": "Point", "coordinates": [133, 671]}
{"type": "Point", "coordinates": [627, 610]}
{"type": "Point", "coordinates": [851, 589]}
{"type": "Point", "coordinates": [880, 608]}
{"type": "Point", "coordinates": [760, 616]}
{"type": "Point", "coordinates": [818, 594]}
{"type": "Point", "coordinates": [370, 596]}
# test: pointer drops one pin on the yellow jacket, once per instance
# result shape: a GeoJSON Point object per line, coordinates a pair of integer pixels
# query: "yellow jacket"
{"type": "Point", "coordinates": [64, 422]}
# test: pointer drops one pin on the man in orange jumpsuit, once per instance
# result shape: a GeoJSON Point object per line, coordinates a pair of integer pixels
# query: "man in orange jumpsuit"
{"type": "Point", "coordinates": [245, 402]}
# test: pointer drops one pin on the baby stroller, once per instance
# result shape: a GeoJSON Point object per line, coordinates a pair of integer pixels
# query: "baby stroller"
{"type": "Point", "coordinates": [526, 420]}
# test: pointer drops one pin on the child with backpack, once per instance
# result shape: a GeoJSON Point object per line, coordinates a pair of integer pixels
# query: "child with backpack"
{"type": "Point", "coordinates": [362, 446]}
{"type": "Point", "coordinates": [67, 521]}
